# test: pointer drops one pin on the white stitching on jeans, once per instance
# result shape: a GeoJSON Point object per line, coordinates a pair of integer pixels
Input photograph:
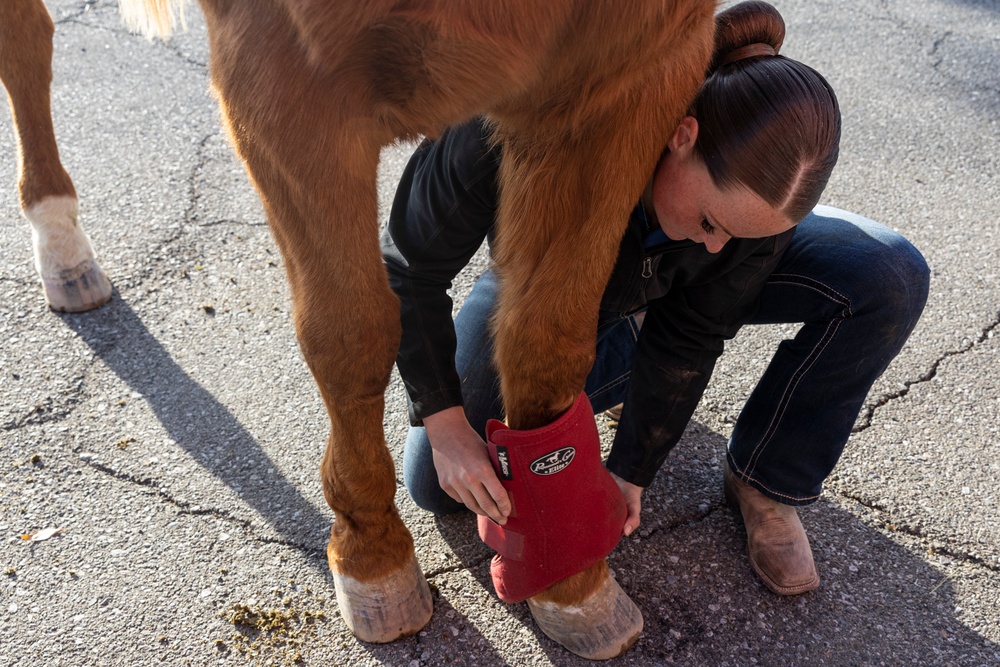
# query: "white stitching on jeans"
{"type": "Point", "coordinates": [844, 300]}
{"type": "Point", "coordinates": [747, 478]}
{"type": "Point", "coordinates": [611, 385]}
{"type": "Point", "coordinates": [811, 359]}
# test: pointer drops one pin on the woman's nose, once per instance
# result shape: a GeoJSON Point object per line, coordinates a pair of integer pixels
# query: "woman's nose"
{"type": "Point", "coordinates": [714, 243]}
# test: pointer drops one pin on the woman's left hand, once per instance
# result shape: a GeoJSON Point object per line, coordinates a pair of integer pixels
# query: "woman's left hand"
{"type": "Point", "coordinates": [633, 502]}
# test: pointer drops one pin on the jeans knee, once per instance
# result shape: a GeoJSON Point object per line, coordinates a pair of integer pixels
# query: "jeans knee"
{"type": "Point", "coordinates": [420, 497]}
{"type": "Point", "coordinates": [429, 496]}
{"type": "Point", "coordinates": [899, 280]}
{"type": "Point", "coordinates": [904, 282]}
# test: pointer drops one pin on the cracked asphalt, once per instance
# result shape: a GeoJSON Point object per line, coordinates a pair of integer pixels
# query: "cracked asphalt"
{"type": "Point", "coordinates": [174, 435]}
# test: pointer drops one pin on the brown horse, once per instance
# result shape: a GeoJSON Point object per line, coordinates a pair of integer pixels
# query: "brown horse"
{"type": "Point", "coordinates": [582, 93]}
{"type": "Point", "coordinates": [72, 279]}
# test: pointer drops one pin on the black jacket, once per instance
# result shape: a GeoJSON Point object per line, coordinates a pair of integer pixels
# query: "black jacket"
{"type": "Point", "coordinates": [443, 210]}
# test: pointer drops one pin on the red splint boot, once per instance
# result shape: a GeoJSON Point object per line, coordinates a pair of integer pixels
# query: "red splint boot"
{"type": "Point", "coordinates": [567, 514]}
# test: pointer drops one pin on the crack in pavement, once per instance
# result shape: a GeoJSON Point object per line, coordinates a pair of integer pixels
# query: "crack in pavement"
{"type": "Point", "coordinates": [159, 253]}
{"type": "Point", "coordinates": [682, 521]}
{"type": "Point", "coordinates": [893, 527]}
{"type": "Point", "coordinates": [90, 7]}
{"type": "Point", "coordinates": [231, 221]}
{"type": "Point", "coordinates": [937, 45]}
{"type": "Point", "coordinates": [459, 567]}
{"type": "Point", "coordinates": [986, 333]}
{"type": "Point", "coordinates": [155, 488]}
{"type": "Point", "coordinates": [54, 408]}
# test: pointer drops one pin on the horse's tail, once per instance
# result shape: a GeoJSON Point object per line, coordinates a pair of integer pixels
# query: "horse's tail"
{"type": "Point", "coordinates": [153, 18]}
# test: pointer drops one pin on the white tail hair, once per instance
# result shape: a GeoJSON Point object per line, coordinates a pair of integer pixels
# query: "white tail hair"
{"type": "Point", "coordinates": [153, 18]}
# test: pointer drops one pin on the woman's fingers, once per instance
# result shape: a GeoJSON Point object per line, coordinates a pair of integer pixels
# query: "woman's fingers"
{"type": "Point", "coordinates": [463, 465]}
{"type": "Point", "coordinates": [633, 503]}
{"type": "Point", "coordinates": [482, 500]}
{"type": "Point", "coordinates": [492, 498]}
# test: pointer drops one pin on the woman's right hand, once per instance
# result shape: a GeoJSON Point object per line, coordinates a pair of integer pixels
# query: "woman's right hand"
{"type": "Point", "coordinates": [463, 464]}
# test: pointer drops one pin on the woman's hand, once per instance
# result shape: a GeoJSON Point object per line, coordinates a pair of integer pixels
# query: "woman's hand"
{"type": "Point", "coordinates": [463, 465]}
{"type": "Point", "coordinates": [633, 501]}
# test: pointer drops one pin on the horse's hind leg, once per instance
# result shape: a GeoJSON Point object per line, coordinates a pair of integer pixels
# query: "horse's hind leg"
{"type": "Point", "coordinates": [323, 213]}
{"type": "Point", "coordinates": [72, 279]}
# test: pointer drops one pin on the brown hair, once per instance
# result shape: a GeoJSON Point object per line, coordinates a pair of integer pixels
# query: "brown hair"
{"type": "Point", "coordinates": [766, 122]}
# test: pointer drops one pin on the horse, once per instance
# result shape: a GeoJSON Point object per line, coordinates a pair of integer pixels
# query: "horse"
{"type": "Point", "coordinates": [72, 279]}
{"type": "Point", "coordinates": [582, 94]}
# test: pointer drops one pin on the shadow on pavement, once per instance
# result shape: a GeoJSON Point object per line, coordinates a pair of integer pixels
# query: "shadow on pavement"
{"type": "Point", "coordinates": [878, 603]}
{"type": "Point", "coordinates": [448, 639]}
{"type": "Point", "coordinates": [214, 438]}
{"type": "Point", "coordinates": [687, 568]}
{"type": "Point", "coordinates": [201, 425]}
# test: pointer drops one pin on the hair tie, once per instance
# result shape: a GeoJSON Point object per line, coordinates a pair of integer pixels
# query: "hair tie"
{"type": "Point", "coordinates": [748, 51]}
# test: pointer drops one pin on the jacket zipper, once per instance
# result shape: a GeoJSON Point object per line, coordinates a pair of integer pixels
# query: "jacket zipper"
{"type": "Point", "coordinates": [647, 267]}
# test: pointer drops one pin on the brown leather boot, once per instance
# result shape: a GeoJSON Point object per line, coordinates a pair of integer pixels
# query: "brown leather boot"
{"type": "Point", "coordinates": [776, 541]}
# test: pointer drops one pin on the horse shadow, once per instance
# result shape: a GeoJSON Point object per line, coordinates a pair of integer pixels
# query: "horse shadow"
{"type": "Point", "coordinates": [200, 424]}
{"type": "Point", "coordinates": [214, 438]}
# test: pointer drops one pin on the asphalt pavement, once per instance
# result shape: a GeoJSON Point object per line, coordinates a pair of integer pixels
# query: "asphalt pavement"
{"type": "Point", "coordinates": [173, 437]}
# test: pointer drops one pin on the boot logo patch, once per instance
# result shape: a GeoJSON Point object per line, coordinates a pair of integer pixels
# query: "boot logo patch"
{"type": "Point", "coordinates": [504, 460]}
{"type": "Point", "coordinates": [553, 462]}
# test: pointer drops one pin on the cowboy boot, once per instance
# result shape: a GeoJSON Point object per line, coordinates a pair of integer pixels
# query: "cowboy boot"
{"type": "Point", "coordinates": [776, 541]}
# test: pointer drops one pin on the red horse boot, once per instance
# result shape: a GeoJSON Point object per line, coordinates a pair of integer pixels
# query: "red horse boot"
{"type": "Point", "coordinates": [567, 514]}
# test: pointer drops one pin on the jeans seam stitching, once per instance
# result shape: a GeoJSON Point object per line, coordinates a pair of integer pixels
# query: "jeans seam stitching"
{"type": "Point", "coordinates": [828, 291]}
{"type": "Point", "coordinates": [611, 384]}
{"type": "Point", "coordinates": [746, 477]}
{"type": "Point", "coordinates": [813, 284]}
{"type": "Point", "coordinates": [789, 390]}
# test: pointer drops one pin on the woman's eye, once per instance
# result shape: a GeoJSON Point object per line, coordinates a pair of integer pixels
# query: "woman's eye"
{"type": "Point", "coordinates": [709, 229]}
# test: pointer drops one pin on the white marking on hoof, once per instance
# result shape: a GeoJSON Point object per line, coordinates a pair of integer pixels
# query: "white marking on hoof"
{"type": "Point", "coordinates": [64, 258]}
{"type": "Point", "coordinates": [602, 627]}
{"type": "Point", "coordinates": [386, 609]}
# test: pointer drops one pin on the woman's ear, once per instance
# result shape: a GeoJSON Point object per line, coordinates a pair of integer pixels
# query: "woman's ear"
{"type": "Point", "coordinates": [685, 135]}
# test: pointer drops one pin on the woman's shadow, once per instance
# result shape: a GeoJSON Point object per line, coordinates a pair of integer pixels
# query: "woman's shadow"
{"type": "Point", "coordinates": [687, 570]}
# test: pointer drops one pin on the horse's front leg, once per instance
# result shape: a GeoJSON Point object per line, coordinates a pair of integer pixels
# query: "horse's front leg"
{"type": "Point", "coordinates": [563, 211]}
{"type": "Point", "coordinates": [317, 181]}
{"type": "Point", "coordinates": [72, 279]}
{"type": "Point", "coordinates": [347, 320]}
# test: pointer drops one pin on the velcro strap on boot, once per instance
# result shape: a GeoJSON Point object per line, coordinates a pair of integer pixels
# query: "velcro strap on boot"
{"type": "Point", "coordinates": [568, 513]}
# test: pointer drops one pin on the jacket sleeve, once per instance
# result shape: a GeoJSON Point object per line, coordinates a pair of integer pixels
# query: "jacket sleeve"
{"type": "Point", "coordinates": [444, 208]}
{"type": "Point", "coordinates": [682, 336]}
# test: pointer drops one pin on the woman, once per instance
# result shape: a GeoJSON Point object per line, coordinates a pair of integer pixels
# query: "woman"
{"type": "Point", "coordinates": [725, 234]}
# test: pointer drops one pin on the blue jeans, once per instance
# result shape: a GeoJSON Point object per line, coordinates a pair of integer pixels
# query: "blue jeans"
{"type": "Point", "coordinates": [857, 287]}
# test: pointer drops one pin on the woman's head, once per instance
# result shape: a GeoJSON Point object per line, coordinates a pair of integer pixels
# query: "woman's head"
{"type": "Point", "coordinates": [758, 147]}
{"type": "Point", "coordinates": [766, 122]}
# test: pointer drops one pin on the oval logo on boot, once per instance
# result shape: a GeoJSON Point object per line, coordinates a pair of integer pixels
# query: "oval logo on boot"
{"type": "Point", "coordinates": [553, 462]}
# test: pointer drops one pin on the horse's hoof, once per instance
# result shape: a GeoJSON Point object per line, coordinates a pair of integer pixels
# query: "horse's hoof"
{"type": "Point", "coordinates": [602, 627]}
{"type": "Point", "coordinates": [84, 287]}
{"type": "Point", "coordinates": [386, 609]}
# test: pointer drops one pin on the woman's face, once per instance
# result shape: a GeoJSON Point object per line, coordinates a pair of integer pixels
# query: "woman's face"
{"type": "Point", "coordinates": [688, 205]}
